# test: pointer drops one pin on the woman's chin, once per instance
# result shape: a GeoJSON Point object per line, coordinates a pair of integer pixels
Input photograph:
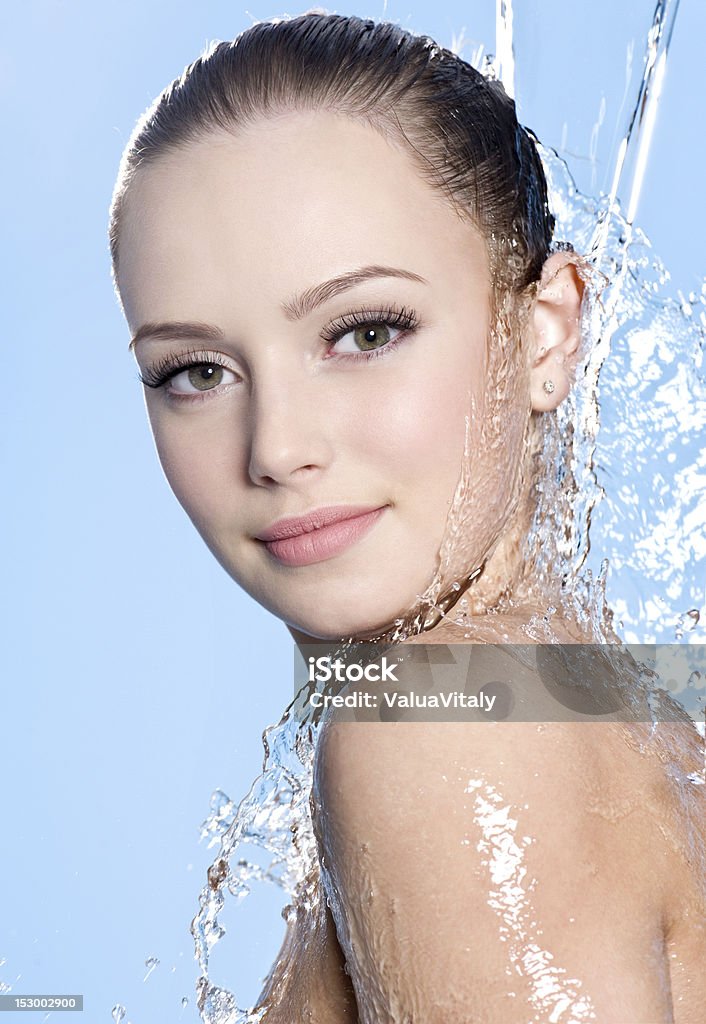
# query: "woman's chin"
{"type": "Point", "coordinates": [346, 625]}
{"type": "Point", "coordinates": [344, 629]}
{"type": "Point", "coordinates": [362, 606]}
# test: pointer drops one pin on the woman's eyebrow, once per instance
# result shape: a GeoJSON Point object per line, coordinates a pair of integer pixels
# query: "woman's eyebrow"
{"type": "Point", "coordinates": [295, 309]}
{"type": "Point", "coordinates": [176, 330]}
{"type": "Point", "coordinates": [301, 305]}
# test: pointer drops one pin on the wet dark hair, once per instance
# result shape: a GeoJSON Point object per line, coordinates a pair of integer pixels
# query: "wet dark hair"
{"type": "Point", "coordinates": [458, 126]}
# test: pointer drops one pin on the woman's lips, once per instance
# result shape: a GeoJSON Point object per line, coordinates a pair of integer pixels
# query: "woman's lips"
{"type": "Point", "coordinates": [319, 535]}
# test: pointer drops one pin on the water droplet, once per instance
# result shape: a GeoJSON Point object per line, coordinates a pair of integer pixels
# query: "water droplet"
{"type": "Point", "coordinates": [216, 873]}
{"type": "Point", "coordinates": [688, 621]}
{"type": "Point", "coordinates": [220, 802]}
{"type": "Point", "coordinates": [150, 963]}
{"type": "Point", "coordinates": [118, 1013]}
{"type": "Point", "coordinates": [184, 1002]}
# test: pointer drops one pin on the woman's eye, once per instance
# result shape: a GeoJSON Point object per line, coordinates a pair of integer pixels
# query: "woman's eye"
{"type": "Point", "coordinates": [204, 377]}
{"type": "Point", "coordinates": [363, 338]}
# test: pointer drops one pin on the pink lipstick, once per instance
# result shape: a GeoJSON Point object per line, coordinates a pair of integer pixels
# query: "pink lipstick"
{"type": "Point", "coordinates": [318, 535]}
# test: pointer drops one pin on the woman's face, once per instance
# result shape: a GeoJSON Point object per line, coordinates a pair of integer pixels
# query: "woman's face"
{"type": "Point", "coordinates": [332, 312]}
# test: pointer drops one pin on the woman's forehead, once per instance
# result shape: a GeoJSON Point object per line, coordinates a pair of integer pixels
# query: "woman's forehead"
{"type": "Point", "coordinates": [307, 192]}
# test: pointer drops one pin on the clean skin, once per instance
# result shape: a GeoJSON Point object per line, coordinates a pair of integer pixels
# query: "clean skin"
{"type": "Point", "coordinates": [226, 239]}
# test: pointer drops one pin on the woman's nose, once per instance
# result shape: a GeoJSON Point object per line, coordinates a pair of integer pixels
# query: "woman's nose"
{"type": "Point", "coordinates": [288, 433]}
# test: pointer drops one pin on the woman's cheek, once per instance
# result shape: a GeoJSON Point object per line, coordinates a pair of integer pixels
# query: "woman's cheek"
{"type": "Point", "coordinates": [198, 468]}
{"type": "Point", "coordinates": [424, 425]}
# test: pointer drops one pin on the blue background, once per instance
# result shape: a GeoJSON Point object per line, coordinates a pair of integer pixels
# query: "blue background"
{"type": "Point", "coordinates": [135, 676]}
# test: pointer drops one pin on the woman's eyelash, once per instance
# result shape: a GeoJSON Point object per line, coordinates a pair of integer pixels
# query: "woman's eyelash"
{"type": "Point", "coordinates": [170, 365]}
{"type": "Point", "coordinates": [392, 316]}
{"type": "Point", "coordinates": [405, 319]}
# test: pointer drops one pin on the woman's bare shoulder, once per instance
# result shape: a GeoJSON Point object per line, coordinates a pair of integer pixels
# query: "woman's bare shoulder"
{"type": "Point", "coordinates": [633, 785]}
{"type": "Point", "coordinates": [574, 826]}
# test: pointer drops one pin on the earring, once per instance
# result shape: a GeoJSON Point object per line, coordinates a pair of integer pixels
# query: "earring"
{"type": "Point", "coordinates": [548, 386]}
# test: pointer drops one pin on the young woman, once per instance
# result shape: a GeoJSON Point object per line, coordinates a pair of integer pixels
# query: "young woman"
{"type": "Point", "coordinates": [332, 244]}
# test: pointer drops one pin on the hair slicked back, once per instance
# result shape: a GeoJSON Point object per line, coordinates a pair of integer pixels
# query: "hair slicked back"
{"type": "Point", "coordinates": [459, 127]}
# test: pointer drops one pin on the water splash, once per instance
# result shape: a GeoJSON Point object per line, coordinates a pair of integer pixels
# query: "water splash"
{"type": "Point", "coordinates": [275, 817]}
{"type": "Point", "coordinates": [639, 466]}
{"type": "Point", "coordinates": [631, 163]}
{"type": "Point", "coordinates": [504, 46]}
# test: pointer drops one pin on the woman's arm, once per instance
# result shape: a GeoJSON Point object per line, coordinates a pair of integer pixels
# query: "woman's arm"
{"type": "Point", "coordinates": [486, 871]}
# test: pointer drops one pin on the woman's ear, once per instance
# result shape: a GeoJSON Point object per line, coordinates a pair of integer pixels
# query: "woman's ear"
{"type": "Point", "coordinates": [555, 332]}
